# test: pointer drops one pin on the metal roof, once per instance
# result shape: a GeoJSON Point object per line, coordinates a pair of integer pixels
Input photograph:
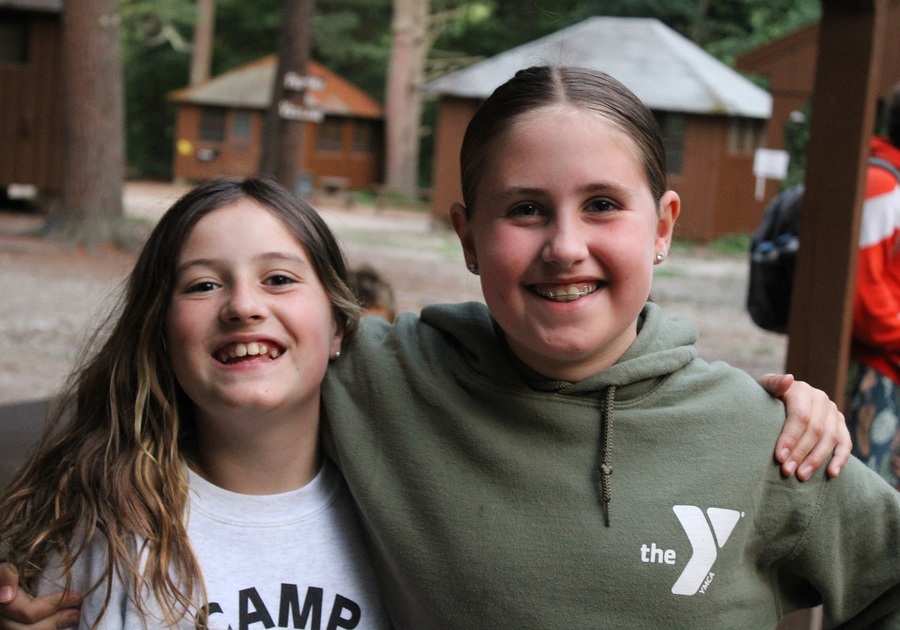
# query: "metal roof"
{"type": "Point", "coordinates": [665, 70]}
{"type": "Point", "coordinates": [50, 6]}
{"type": "Point", "coordinates": [250, 86]}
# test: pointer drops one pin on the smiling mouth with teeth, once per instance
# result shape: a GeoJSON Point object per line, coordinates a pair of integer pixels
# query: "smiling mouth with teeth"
{"type": "Point", "coordinates": [246, 351]}
{"type": "Point", "coordinates": [568, 293]}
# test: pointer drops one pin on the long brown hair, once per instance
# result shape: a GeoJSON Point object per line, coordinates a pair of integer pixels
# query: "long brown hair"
{"type": "Point", "coordinates": [110, 466]}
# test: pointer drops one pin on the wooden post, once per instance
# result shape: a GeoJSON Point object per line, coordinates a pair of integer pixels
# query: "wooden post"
{"type": "Point", "coordinates": [843, 113]}
{"type": "Point", "coordinates": [201, 49]}
{"type": "Point", "coordinates": [283, 137]}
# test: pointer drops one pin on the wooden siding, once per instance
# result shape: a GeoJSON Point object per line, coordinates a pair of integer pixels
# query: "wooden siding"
{"type": "Point", "coordinates": [31, 107]}
{"type": "Point", "coordinates": [454, 115]}
{"type": "Point", "coordinates": [716, 185]}
{"type": "Point", "coordinates": [696, 183]}
{"type": "Point", "coordinates": [197, 160]}
{"type": "Point", "coordinates": [736, 209]}
{"type": "Point", "coordinates": [362, 169]}
{"type": "Point", "coordinates": [788, 64]}
{"type": "Point", "coordinates": [890, 69]}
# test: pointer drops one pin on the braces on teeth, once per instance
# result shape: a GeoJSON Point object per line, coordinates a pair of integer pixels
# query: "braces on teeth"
{"type": "Point", "coordinates": [567, 295]}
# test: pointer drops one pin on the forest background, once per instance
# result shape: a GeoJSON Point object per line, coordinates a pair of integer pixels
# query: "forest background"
{"type": "Point", "coordinates": [353, 38]}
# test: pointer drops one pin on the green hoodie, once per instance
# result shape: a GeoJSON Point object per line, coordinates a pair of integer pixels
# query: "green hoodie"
{"type": "Point", "coordinates": [482, 488]}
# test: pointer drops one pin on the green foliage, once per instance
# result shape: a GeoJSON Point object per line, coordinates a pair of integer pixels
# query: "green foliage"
{"type": "Point", "coordinates": [765, 21]}
{"type": "Point", "coordinates": [149, 115]}
{"type": "Point", "coordinates": [155, 63]}
{"type": "Point", "coordinates": [732, 244]}
{"type": "Point", "coordinates": [353, 38]}
{"type": "Point", "coordinates": [244, 32]}
{"type": "Point", "coordinates": [426, 146]}
{"type": "Point", "coordinates": [152, 23]}
{"type": "Point", "coordinates": [796, 139]}
{"type": "Point", "coordinates": [503, 24]}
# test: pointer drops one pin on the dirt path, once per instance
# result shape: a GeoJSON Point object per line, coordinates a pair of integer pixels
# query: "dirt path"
{"type": "Point", "coordinates": [53, 296]}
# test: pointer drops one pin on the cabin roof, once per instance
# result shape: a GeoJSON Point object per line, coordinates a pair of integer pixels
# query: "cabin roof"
{"type": "Point", "coordinates": [665, 70]}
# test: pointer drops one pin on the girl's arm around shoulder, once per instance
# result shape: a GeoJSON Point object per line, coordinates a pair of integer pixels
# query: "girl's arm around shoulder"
{"type": "Point", "coordinates": [18, 609]}
{"type": "Point", "coordinates": [53, 607]}
{"type": "Point", "coordinates": [813, 430]}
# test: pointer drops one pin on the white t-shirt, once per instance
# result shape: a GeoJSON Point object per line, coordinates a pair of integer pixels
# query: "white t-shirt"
{"type": "Point", "coordinates": [292, 560]}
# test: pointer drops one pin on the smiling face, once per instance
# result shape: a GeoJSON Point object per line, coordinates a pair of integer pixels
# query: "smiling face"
{"type": "Point", "coordinates": [564, 231]}
{"type": "Point", "coordinates": [250, 326]}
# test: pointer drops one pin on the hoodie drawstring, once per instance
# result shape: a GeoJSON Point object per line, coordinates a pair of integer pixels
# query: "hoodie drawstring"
{"type": "Point", "coordinates": [606, 429]}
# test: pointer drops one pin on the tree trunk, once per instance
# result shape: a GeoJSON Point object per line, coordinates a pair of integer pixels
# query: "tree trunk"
{"type": "Point", "coordinates": [93, 144]}
{"type": "Point", "coordinates": [201, 50]}
{"type": "Point", "coordinates": [403, 107]}
{"type": "Point", "coordinates": [283, 138]}
{"type": "Point", "coordinates": [699, 26]}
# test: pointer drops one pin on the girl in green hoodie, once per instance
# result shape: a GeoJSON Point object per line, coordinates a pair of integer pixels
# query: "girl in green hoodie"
{"type": "Point", "coordinates": [560, 457]}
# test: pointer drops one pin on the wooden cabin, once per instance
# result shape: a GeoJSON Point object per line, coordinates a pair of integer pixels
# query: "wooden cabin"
{"type": "Point", "coordinates": [30, 96]}
{"type": "Point", "coordinates": [713, 119]}
{"type": "Point", "coordinates": [220, 123]}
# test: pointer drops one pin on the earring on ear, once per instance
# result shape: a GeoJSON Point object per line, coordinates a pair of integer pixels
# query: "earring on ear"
{"type": "Point", "coordinates": [473, 267]}
{"type": "Point", "coordinates": [660, 257]}
{"type": "Point", "coordinates": [337, 354]}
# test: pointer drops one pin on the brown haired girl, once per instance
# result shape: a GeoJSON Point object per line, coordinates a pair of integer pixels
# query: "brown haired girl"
{"type": "Point", "coordinates": [187, 447]}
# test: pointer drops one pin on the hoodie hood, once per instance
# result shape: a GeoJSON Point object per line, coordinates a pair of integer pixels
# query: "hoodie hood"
{"type": "Point", "coordinates": [663, 345]}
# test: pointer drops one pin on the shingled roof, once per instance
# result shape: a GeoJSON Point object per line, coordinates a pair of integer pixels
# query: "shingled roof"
{"type": "Point", "coordinates": [664, 69]}
{"type": "Point", "coordinates": [250, 86]}
{"type": "Point", "coordinates": [50, 6]}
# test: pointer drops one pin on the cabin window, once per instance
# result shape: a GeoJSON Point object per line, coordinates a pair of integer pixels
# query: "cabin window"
{"type": "Point", "coordinates": [331, 135]}
{"type": "Point", "coordinates": [212, 124]}
{"type": "Point", "coordinates": [672, 126]}
{"type": "Point", "coordinates": [13, 38]}
{"type": "Point", "coordinates": [241, 125]}
{"type": "Point", "coordinates": [744, 136]}
{"type": "Point", "coordinates": [363, 137]}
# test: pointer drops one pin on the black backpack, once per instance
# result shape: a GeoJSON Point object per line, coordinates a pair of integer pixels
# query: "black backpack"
{"type": "Point", "coordinates": [773, 256]}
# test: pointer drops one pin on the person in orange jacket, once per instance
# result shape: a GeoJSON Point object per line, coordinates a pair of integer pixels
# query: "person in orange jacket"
{"type": "Point", "coordinates": [873, 400]}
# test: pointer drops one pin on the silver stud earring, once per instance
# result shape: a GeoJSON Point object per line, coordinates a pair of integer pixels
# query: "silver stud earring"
{"type": "Point", "coordinates": [660, 257]}
{"type": "Point", "coordinates": [473, 267]}
{"type": "Point", "coordinates": [337, 354]}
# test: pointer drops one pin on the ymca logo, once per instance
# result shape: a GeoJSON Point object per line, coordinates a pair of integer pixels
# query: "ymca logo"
{"type": "Point", "coordinates": [707, 534]}
{"type": "Point", "coordinates": [703, 545]}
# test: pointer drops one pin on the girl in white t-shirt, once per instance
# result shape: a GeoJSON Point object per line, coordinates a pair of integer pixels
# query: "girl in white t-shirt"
{"type": "Point", "coordinates": [183, 482]}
